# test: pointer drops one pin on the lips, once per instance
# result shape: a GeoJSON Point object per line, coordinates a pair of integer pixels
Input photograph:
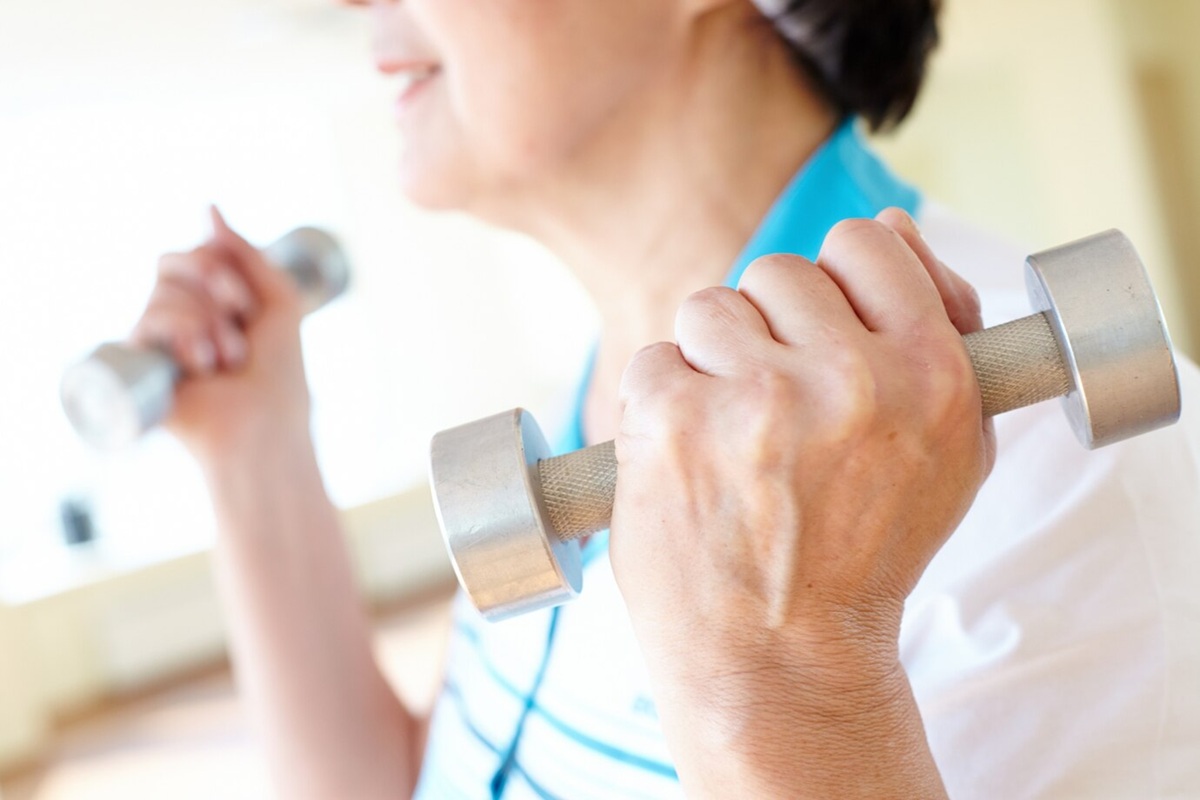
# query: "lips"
{"type": "Point", "coordinates": [415, 75]}
{"type": "Point", "coordinates": [414, 78]}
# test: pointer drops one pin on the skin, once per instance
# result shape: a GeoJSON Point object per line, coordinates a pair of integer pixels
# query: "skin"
{"type": "Point", "coordinates": [766, 587]}
{"type": "Point", "coordinates": [641, 140]}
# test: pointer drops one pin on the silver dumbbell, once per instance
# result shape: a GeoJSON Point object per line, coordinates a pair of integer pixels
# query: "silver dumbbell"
{"type": "Point", "coordinates": [511, 515]}
{"type": "Point", "coordinates": [120, 391]}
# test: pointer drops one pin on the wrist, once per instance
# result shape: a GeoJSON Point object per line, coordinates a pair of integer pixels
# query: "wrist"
{"type": "Point", "coordinates": [806, 711]}
{"type": "Point", "coordinates": [248, 439]}
{"type": "Point", "coordinates": [257, 458]}
{"type": "Point", "coordinates": [803, 730]}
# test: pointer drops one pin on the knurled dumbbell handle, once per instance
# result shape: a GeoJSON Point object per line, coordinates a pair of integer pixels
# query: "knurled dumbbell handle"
{"type": "Point", "coordinates": [1018, 364]}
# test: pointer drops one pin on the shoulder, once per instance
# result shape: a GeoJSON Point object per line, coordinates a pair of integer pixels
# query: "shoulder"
{"type": "Point", "coordinates": [1056, 627]}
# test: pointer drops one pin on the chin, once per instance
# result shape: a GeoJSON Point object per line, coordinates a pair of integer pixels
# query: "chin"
{"type": "Point", "coordinates": [439, 178]}
{"type": "Point", "coordinates": [433, 190]}
{"type": "Point", "coordinates": [457, 179]}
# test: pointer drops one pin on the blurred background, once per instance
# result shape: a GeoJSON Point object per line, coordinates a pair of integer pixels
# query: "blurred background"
{"type": "Point", "coordinates": [1044, 120]}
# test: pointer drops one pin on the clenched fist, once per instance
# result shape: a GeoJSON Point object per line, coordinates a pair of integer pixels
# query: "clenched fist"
{"type": "Point", "coordinates": [788, 469]}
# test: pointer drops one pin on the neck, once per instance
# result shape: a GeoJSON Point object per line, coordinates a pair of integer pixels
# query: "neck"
{"type": "Point", "coordinates": [660, 204]}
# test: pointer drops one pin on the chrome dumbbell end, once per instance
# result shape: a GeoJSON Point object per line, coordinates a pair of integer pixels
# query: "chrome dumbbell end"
{"type": "Point", "coordinates": [1113, 337]}
{"type": "Point", "coordinates": [315, 260]}
{"type": "Point", "coordinates": [118, 393]}
{"type": "Point", "coordinates": [496, 526]}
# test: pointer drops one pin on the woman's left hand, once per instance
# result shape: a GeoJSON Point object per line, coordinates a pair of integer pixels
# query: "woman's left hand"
{"type": "Point", "coordinates": [787, 472]}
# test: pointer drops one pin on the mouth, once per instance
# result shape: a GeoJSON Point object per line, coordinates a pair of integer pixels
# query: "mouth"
{"type": "Point", "coordinates": [413, 80]}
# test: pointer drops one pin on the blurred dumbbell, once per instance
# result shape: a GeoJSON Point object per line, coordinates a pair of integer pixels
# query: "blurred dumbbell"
{"type": "Point", "coordinates": [120, 391]}
{"type": "Point", "coordinates": [511, 515]}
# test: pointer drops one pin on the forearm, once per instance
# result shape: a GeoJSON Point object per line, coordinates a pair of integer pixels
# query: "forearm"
{"type": "Point", "coordinates": [331, 725]}
{"type": "Point", "coordinates": [827, 717]}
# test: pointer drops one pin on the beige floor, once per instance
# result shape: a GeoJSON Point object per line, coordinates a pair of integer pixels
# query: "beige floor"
{"type": "Point", "coordinates": [190, 741]}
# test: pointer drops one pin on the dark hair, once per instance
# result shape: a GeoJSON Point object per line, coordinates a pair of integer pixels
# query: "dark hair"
{"type": "Point", "coordinates": [867, 56]}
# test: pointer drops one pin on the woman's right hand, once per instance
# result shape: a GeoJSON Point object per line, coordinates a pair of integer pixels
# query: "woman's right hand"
{"type": "Point", "coordinates": [231, 320]}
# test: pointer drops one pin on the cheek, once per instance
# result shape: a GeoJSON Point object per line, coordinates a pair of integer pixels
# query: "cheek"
{"type": "Point", "coordinates": [530, 118]}
{"type": "Point", "coordinates": [478, 132]}
{"type": "Point", "coordinates": [518, 120]}
{"type": "Point", "coordinates": [532, 80]}
{"type": "Point", "coordinates": [527, 84]}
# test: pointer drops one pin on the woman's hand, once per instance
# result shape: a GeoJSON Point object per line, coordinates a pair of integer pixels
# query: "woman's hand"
{"type": "Point", "coordinates": [331, 725]}
{"type": "Point", "coordinates": [231, 320]}
{"type": "Point", "coordinates": [787, 471]}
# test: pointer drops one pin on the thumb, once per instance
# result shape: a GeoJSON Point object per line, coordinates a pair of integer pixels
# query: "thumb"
{"type": "Point", "coordinates": [267, 280]}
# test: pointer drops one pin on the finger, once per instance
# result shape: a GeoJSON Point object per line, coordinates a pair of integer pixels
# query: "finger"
{"type": "Point", "coordinates": [653, 396]}
{"type": "Point", "coordinates": [207, 269]}
{"type": "Point", "coordinates": [654, 373]}
{"type": "Point", "coordinates": [231, 292]}
{"type": "Point", "coordinates": [720, 332]}
{"type": "Point", "coordinates": [958, 296]}
{"type": "Point", "coordinates": [177, 320]}
{"type": "Point", "coordinates": [182, 318]}
{"type": "Point", "coordinates": [232, 346]}
{"type": "Point", "coordinates": [795, 298]}
{"type": "Point", "coordinates": [267, 281]}
{"type": "Point", "coordinates": [884, 280]}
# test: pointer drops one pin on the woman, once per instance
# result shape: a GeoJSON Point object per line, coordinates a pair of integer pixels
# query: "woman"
{"type": "Point", "coordinates": [793, 453]}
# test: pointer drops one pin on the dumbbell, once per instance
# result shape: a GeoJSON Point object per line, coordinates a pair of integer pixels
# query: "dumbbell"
{"type": "Point", "coordinates": [120, 391]}
{"type": "Point", "coordinates": [512, 515]}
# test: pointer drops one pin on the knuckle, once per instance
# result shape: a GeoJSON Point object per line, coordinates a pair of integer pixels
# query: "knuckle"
{"type": "Point", "coordinates": [950, 386]}
{"type": "Point", "coordinates": [836, 399]}
{"type": "Point", "coordinates": [854, 228]}
{"type": "Point", "coordinates": [180, 263]}
{"type": "Point", "coordinates": [168, 262]}
{"type": "Point", "coordinates": [843, 402]}
{"type": "Point", "coordinates": [773, 393]}
{"type": "Point", "coordinates": [655, 405]}
{"type": "Point", "coordinates": [652, 352]}
{"type": "Point", "coordinates": [642, 377]}
{"type": "Point", "coordinates": [853, 390]}
{"type": "Point", "coordinates": [968, 296]}
{"type": "Point", "coordinates": [669, 403]}
{"type": "Point", "coordinates": [894, 216]}
{"type": "Point", "coordinates": [847, 239]}
{"type": "Point", "coordinates": [766, 271]}
{"type": "Point", "coordinates": [768, 401]}
{"type": "Point", "coordinates": [705, 316]}
{"type": "Point", "coordinates": [173, 295]}
{"type": "Point", "coordinates": [712, 303]}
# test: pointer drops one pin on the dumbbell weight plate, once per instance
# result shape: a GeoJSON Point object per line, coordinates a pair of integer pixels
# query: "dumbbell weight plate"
{"type": "Point", "coordinates": [488, 502]}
